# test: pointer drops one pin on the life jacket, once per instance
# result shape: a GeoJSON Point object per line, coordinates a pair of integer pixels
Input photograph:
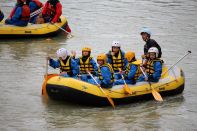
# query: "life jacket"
{"type": "Point", "coordinates": [138, 71]}
{"type": "Point", "coordinates": [38, 3]}
{"type": "Point", "coordinates": [51, 10]}
{"type": "Point", "coordinates": [25, 13]}
{"type": "Point", "coordinates": [84, 66]}
{"type": "Point", "coordinates": [117, 62]}
{"type": "Point", "coordinates": [65, 65]}
{"type": "Point", "coordinates": [111, 70]}
{"type": "Point", "coordinates": [150, 65]}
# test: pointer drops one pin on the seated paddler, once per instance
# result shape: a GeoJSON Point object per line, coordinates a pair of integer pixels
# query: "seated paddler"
{"type": "Point", "coordinates": [132, 71]}
{"type": "Point", "coordinates": [105, 72]}
{"type": "Point", "coordinates": [116, 58]}
{"type": "Point", "coordinates": [153, 68]}
{"type": "Point", "coordinates": [20, 15]}
{"type": "Point", "coordinates": [86, 63]}
{"type": "Point", "coordinates": [68, 66]}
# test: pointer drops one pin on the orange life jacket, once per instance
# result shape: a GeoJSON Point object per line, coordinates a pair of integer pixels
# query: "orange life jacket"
{"type": "Point", "coordinates": [25, 13]}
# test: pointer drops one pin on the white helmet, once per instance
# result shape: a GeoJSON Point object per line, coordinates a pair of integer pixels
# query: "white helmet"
{"type": "Point", "coordinates": [145, 30]}
{"type": "Point", "coordinates": [115, 44]}
{"type": "Point", "coordinates": [62, 52]}
{"type": "Point", "coordinates": [155, 50]}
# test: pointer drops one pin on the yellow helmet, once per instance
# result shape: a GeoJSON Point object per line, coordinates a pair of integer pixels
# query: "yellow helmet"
{"type": "Point", "coordinates": [129, 55]}
{"type": "Point", "coordinates": [86, 49]}
{"type": "Point", "coordinates": [102, 57]}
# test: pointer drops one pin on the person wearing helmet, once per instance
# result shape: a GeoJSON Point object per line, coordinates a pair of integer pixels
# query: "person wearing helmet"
{"type": "Point", "coordinates": [153, 67]}
{"type": "Point", "coordinates": [68, 66]}
{"type": "Point", "coordinates": [132, 71]}
{"type": "Point", "coordinates": [116, 57]}
{"type": "Point", "coordinates": [146, 34]}
{"type": "Point", "coordinates": [34, 5]}
{"type": "Point", "coordinates": [1, 15]}
{"type": "Point", "coordinates": [105, 73]}
{"type": "Point", "coordinates": [52, 11]}
{"type": "Point", "coordinates": [20, 15]}
{"type": "Point", "coordinates": [86, 63]}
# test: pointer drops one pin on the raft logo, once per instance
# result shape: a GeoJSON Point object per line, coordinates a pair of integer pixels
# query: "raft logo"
{"type": "Point", "coordinates": [84, 88]}
{"type": "Point", "coordinates": [27, 32]}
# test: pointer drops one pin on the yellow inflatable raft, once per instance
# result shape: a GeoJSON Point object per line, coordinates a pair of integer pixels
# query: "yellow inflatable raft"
{"type": "Point", "coordinates": [76, 91]}
{"type": "Point", "coordinates": [32, 30]}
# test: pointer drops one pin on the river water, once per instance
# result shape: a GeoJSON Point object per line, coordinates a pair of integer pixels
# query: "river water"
{"type": "Point", "coordinates": [96, 24]}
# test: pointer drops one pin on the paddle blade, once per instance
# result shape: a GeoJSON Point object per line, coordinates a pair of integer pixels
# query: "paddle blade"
{"type": "Point", "coordinates": [156, 95]}
{"type": "Point", "coordinates": [108, 97]}
{"type": "Point", "coordinates": [127, 89]}
{"type": "Point", "coordinates": [110, 101]}
{"type": "Point", "coordinates": [46, 78]}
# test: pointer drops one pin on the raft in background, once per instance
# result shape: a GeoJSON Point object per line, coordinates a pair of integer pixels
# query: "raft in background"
{"type": "Point", "coordinates": [76, 91]}
{"type": "Point", "coordinates": [32, 30]}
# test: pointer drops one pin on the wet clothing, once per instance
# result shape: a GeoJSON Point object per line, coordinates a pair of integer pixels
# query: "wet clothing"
{"type": "Point", "coordinates": [1, 15]}
{"type": "Point", "coordinates": [52, 12]}
{"type": "Point", "coordinates": [34, 5]}
{"type": "Point", "coordinates": [131, 74]}
{"type": "Point", "coordinates": [68, 65]}
{"type": "Point", "coordinates": [19, 16]}
{"type": "Point", "coordinates": [105, 76]}
{"type": "Point", "coordinates": [152, 43]}
{"type": "Point", "coordinates": [153, 71]}
{"type": "Point", "coordinates": [117, 61]}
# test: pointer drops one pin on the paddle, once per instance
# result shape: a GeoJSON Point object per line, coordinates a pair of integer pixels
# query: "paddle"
{"type": "Point", "coordinates": [70, 35]}
{"type": "Point", "coordinates": [155, 94]}
{"type": "Point", "coordinates": [126, 88]}
{"type": "Point", "coordinates": [177, 62]}
{"type": "Point", "coordinates": [36, 12]}
{"type": "Point", "coordinates": [46, 78]}
{"type": "Point", "coordinates": [109, 98]}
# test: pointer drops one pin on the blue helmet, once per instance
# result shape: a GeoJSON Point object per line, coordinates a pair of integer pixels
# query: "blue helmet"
{"type": "Point", "coordinates": [145, 30]}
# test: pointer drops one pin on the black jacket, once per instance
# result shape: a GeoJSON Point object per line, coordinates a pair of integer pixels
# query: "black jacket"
{"type": "Point", "coordinates": [152, 43]}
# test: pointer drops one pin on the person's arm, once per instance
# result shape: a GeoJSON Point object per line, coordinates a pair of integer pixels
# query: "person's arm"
{"type": "Point", "coordinates": [95, 67]}
{"type": "Point", "coordinates": [74, 67]}
{"type": "Point", "coordinates": [44, 10]}
{"type": "Point", "coordinates": [158, 70]}
{"type": "Point", "coordinates": [153, 43]}
{"type": "Point", "coordinates": [109, 57]}
{"type": "Point", "coordinates": [124, 60]}
{"type": "Point", "coordinates": [132, 71]}
{"type": "Point", "coordinates": [17, 14]}
{"type": "Point", "coordinates": [53, 63]}
{"type": "Point", "coordinates": [12, 12]}
{"type": "Point", "coordinates": [106, 74]}
{"type": "Point", "coordinates": [58, 12]}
